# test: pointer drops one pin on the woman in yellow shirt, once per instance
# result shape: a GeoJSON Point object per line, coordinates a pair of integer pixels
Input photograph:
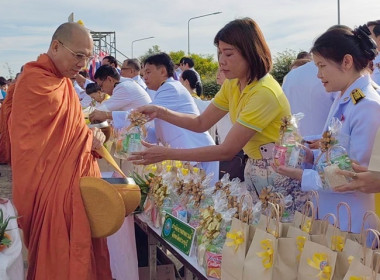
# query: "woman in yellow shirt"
{"type": "Point", "coordinates": [253, 98]}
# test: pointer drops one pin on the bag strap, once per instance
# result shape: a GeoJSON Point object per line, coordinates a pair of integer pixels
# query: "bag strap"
{"type": "Point", "coordinates": [348, 208]}
{"type": "Point", "coordinates": [103, 152]}
{"type": "Point", "coordinates": [366, 216]}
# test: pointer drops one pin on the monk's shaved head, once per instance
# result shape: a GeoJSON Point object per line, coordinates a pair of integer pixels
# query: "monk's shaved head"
{"type": "Point", "coordinates": [65, 31]}
{"type": "Point", "coordinates": [71, 48]}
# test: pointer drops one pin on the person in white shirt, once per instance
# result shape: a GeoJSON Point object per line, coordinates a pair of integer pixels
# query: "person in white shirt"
{"type": "Point", "coordinates": [187, 63]}
{"type": "Point", "coordinates": [172, 95]}
{"type": "Point", "coordinates": [374, 27]}
{"type": "Point", "coordinates": [124, 96]}
{"type": "Point", "coordinates": [131, 69]}
{"type": "Point", "coordinates": [306, 94]}
{"type": "Point", "coordinates": [342, 57]}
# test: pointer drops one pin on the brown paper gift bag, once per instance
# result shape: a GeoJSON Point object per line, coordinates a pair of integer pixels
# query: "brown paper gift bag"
{"type": "Point", "coordinates": [317, 262]}
{"type": "Point", "coordinates": [270, 256]}
{"type": "Point", "coordinates": [358, 268]}
{"type": "Point", "coordinates": [370, 220]}
{"type": "Point", "coordinates": [234, 251]}
{"type": "Point", "coordinates": [260, 257]}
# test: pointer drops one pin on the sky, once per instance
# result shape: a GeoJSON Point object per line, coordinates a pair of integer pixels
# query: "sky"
{"type": "Point", "coordinates": [27, 25]}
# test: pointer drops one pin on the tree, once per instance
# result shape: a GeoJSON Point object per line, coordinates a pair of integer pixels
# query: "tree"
{"type": "Point", "coordinates": [281, 64]}
{"type": "Point", "coordinates": [155, 49]}
{"type": "Point", "coordinates": [205, 65]}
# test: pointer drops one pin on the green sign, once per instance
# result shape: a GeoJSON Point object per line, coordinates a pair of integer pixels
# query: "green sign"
{"type": "Point", "coordinates": [178, 233]}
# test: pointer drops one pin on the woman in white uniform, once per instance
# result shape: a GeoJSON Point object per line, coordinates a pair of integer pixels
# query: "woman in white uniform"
{"type": "Point", "coordinates": [342, 56]}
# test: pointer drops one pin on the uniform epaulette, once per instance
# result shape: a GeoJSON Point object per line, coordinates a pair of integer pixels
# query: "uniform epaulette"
{"type": "Point", "coordinates": [356, 95]}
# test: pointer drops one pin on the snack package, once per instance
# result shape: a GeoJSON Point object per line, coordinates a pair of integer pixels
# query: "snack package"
{"type": "Point", "coordinates": [128, 138]}
{"type": "Point", "coordinates": [289, 151]}
{"type": "Point", "coordinates": [333, 156]}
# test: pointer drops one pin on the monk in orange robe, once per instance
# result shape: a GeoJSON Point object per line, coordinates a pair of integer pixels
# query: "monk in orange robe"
{"type": "Point", "coordinates": [5, 111]}
{"type": "Point", "coordinates": [51, 150]}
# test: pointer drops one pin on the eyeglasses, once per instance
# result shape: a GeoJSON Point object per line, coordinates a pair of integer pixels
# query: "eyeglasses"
{"type": "Point", "coordinates": [78, 56]}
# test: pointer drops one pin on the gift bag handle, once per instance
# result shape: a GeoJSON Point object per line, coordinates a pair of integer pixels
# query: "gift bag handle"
{"type": "Point", "coordinates": [348, 208]}
{"type": "Point", "coordinates": [307, 208]}
{"type": "Point", "coordinates": [315, 194]}
{"type": "Point", "coordinates": [366, 216]}
{"type": "Point", "coordinates": [376, 241]}
{"type": "Point", "coordinates": [276, 218]}
{"type": "Point", "coordinates": [242, 199]}
{"type": "Point", "coordinates": [326, 218]}
{"type": "Point", "coordinates": [103, 152]}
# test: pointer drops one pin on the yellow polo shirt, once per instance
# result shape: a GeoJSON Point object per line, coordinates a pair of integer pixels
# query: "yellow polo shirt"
{"type": "Point", "coordinates": [260, 106]}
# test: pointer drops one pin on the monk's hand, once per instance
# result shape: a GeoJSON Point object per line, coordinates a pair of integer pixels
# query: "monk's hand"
{"type": "Point", "coordinates": [152, 111]}
{"type": "Point", "coordinates": [362, 180]}
{"type": "Point", "coordinates": [291, 172]}
{"type": "Point", "coordinates": [152, 154]}
{"type": "Point", "coordinates": [98, 138]}
{"type": "Point", "coordinates": [98, 116]}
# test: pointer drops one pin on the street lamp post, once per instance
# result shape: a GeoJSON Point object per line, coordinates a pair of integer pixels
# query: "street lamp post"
{"type": "Point", "coordinates": [139, 40]}
{"type": "Point", "coordinates": [339, 12]}
{"type": "Point", "coordinates": [188, 28]}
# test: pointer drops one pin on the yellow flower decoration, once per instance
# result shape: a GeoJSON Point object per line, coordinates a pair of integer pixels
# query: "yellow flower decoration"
{"type": "Point", "coordinates": [185, 171]}
{"type": "Point", "coordinates": [337, 243]}
{"type": "Point", "coordinates": [178, 164]}
{"type": "Point", "coordinates": [237, 238]}
{"type": "Point", "coordinates": [267, 254]}
{"type": "Point", "coordinates": [357, 278]}
{"type": "Point", "coordinates": [300, 241]}
{"type": "Point", "coordinates": [151, 168]}
{"type": "Point", "coordinates": [195, 170]}
{"type": "Point", "coordinates": [350, 259]}
{"type": "Point", "coordinates": [319, 261]}
{"type": "Point", "coordinates": [306, 227]}
{"type": "Point", "coordinates": [168, 168]}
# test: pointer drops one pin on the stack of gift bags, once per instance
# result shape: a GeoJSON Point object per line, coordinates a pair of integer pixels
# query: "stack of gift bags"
{"type": "Point", "coordinates": [308, 248]}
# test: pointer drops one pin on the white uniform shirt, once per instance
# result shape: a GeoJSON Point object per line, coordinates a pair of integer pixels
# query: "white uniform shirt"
{"type": "Point", "coordinates": [174, 96]}
{"type": "Point", "coordinates": [84, 98]}
{"type": "Point", "coordinates": [126, 95]}
{"type": "Point", "coordinates": [360, 121]}
{"type": "Point", "coordinates": [376, 72]}
{"type": "Point", "coordinates": [307, 94]}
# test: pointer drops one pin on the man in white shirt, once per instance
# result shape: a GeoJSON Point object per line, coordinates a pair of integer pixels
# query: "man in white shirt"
{"type": "Point", "coordinates": [124, 96]}
{"type": "Point", "coordinates": [307, 94]}
{"type": "Point", "coordinates": [374, 27]}
{"type": "Point", "coordinates": [131, 68]}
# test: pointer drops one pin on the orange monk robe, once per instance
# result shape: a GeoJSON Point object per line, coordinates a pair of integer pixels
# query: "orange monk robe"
{"type": "Point", "coordinates": [51, 151]}
{"type": "Point", "coordinates": [5, 111]}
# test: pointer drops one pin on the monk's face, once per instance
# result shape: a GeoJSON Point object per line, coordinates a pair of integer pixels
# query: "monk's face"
{"type": "Point", "coordinates": [71, 56]}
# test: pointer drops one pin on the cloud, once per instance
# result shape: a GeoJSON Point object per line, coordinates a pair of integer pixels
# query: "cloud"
{"type": "Point", "coordinates": [27, 26]}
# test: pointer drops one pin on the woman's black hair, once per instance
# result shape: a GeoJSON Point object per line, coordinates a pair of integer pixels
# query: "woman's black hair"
{"type": "Point", "coordinates": [190, 76]}
{"type": "Point", "coordinates": [335, 43]}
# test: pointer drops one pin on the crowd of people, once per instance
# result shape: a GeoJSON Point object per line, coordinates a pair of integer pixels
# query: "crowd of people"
{"type": "Point", "coordinates": [43, 134]}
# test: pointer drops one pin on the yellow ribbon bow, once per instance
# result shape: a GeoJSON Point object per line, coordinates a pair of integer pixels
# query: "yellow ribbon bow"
{"type": "Point", "coordinates": [185, 171]}
{"type": "Point", "coordinates": [357, 278]}
{"type": "Point", "coordinates": [319, 261]}
{"type": "Point", "coordinates": [337, 243]}
{"type": "Point", "coordinates": [307, 226]}
{"type": "Point", "coordinates": [300, 241]}
{"type": "Point", "coordinates": [267, 254]}
{"type": "Point", "coordinates": [237, 238]}
{"type": "Point", "coordinates": [350, 259]}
